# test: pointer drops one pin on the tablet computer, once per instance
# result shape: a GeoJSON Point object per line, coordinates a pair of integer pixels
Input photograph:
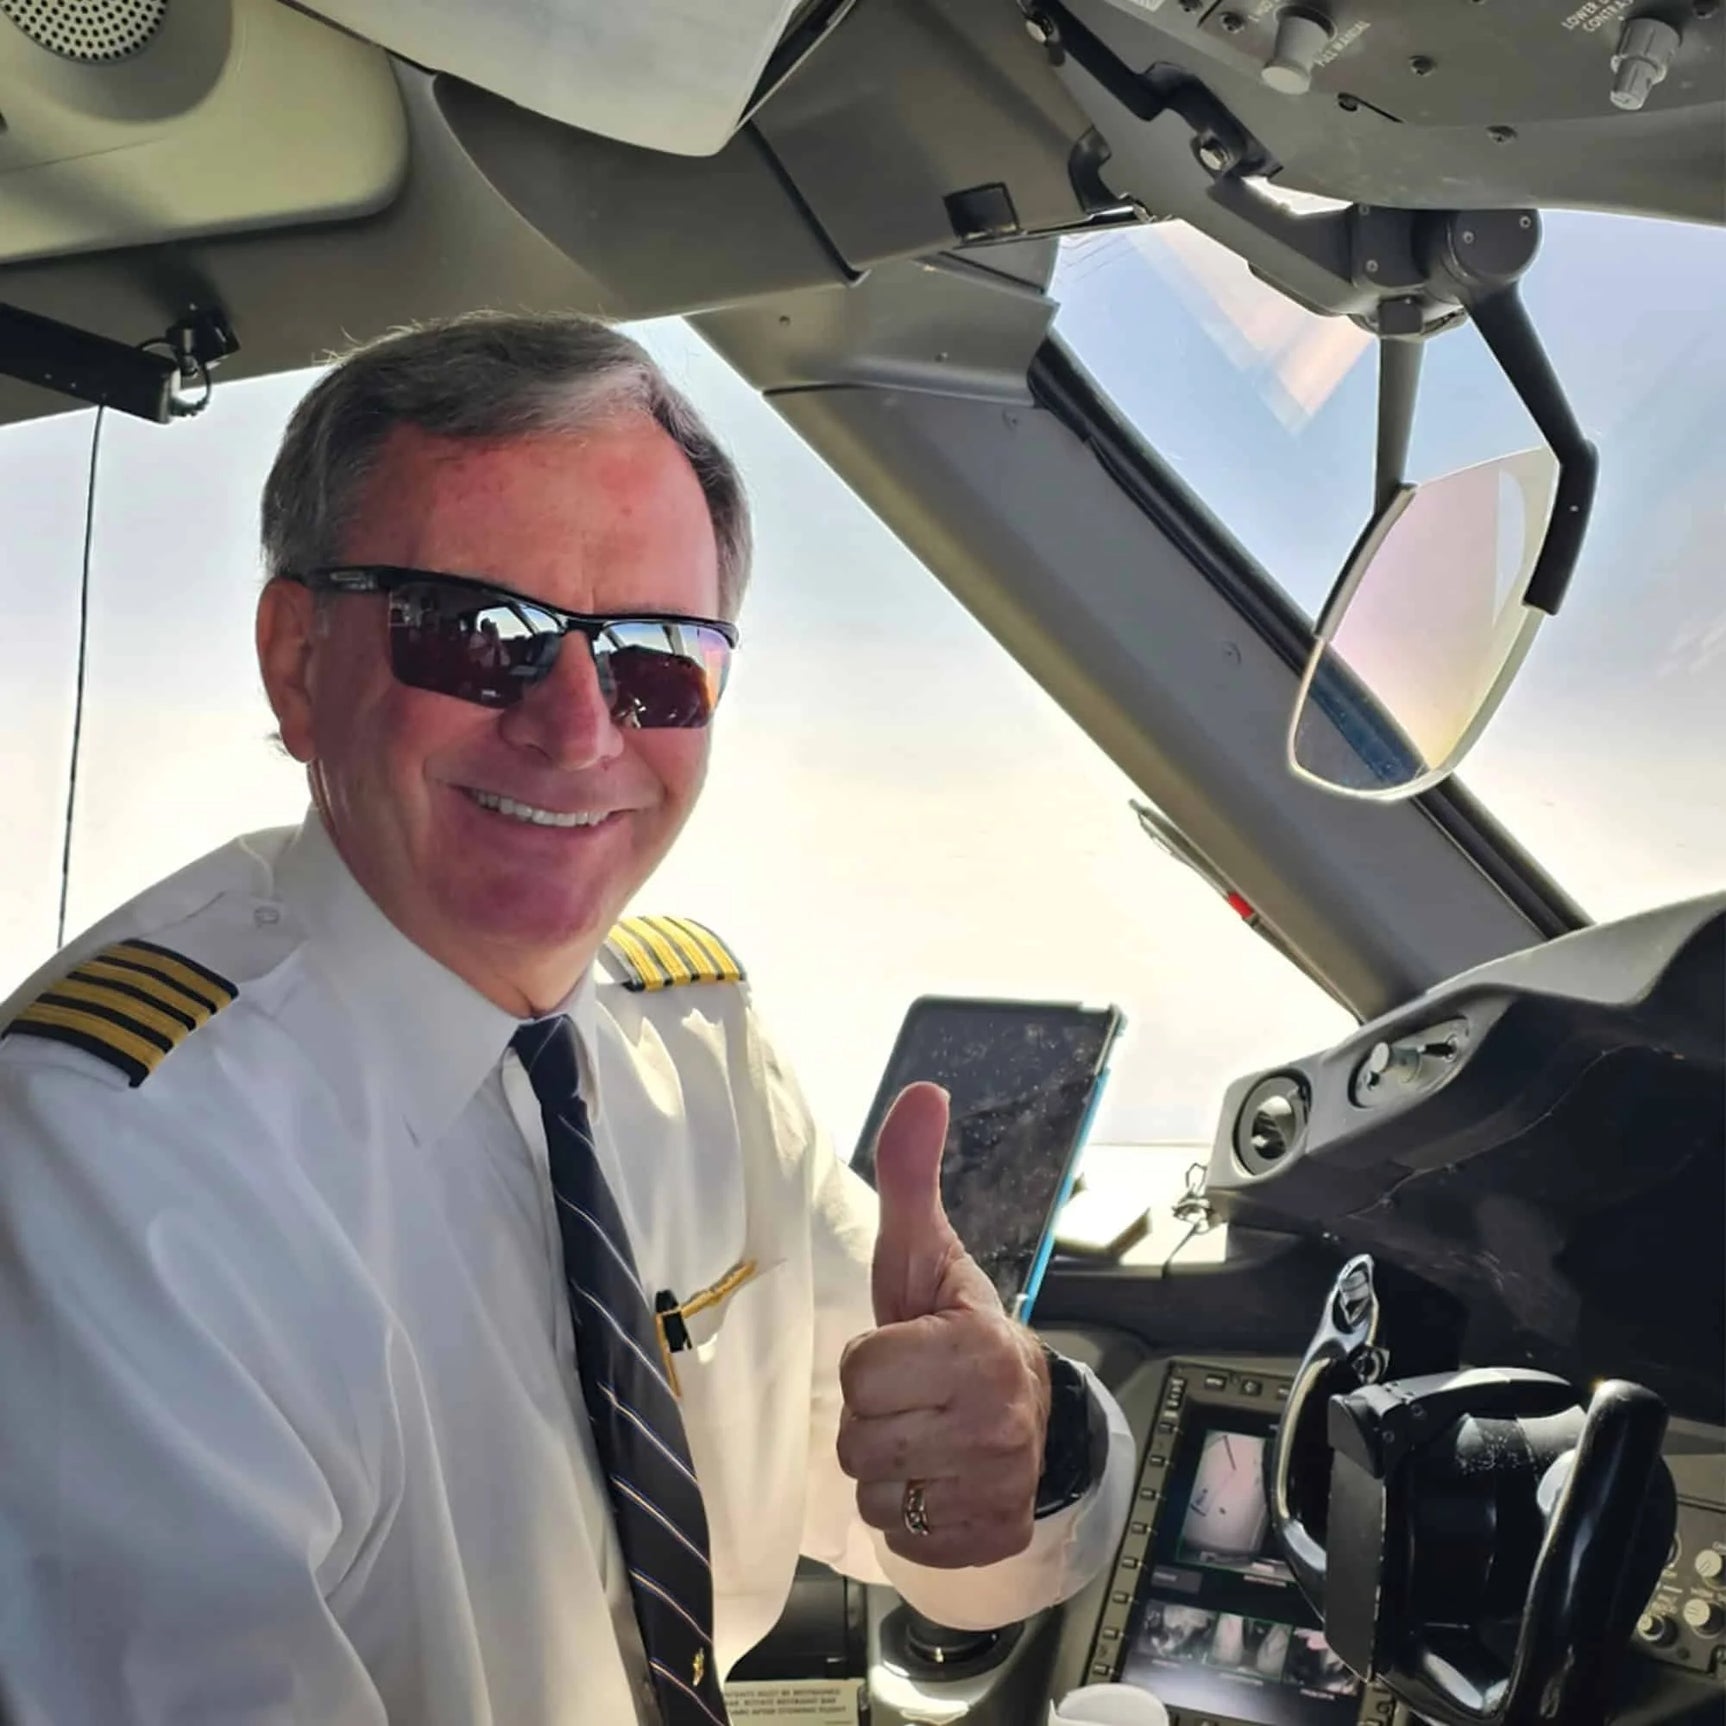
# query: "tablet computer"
{"type": "Point", "coordinates": [1024, 1077]}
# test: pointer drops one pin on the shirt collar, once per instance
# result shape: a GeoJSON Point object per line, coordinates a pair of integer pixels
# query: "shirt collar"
{"type": "Point", "coordinates": [431, 1037]}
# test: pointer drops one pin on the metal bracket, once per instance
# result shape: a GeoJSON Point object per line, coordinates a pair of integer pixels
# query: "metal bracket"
{"type": "Point", "coordinates": [144, 381]}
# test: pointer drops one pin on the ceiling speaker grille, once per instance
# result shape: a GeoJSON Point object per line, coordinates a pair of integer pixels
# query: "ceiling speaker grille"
{"type": "Point", "coordinates": [96, 32]}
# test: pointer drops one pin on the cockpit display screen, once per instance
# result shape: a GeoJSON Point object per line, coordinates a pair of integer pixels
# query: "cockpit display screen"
{"type": "Point", "coordinates": [1220, 1626]}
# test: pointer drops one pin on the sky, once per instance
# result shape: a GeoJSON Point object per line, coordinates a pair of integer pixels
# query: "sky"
{"type": "Point", "coordinates": [1608, 757]}
{"type": "Point", "coordinates": [895, 808]}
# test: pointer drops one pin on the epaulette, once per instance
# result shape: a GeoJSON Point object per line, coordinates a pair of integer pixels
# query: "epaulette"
{"type": "Point", "coordinates": [130, 1005]}
{"type": "Point", "coordinates": [657, 952]}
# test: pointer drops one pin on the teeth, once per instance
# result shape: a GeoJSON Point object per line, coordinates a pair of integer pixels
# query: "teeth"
{"type": "Point", "coordinates": [526, 812]}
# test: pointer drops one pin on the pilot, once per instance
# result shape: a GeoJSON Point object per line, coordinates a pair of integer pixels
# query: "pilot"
{"type": "Point", "coordinates": [423, 1297]}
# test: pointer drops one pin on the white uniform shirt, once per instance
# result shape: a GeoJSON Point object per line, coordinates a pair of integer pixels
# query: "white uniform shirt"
{"type": "Point", "coordinates": [290, 1427]}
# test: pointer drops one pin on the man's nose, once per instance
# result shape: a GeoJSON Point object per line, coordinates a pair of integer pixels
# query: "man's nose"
{"type": "Point", "coordinates": [566, 717]}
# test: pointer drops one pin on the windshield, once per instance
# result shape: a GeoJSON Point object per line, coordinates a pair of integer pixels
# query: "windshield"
{"type": "Point", "coordinates": [1606, 758]}
{"type": "Point", "coordinates": [890, 792]}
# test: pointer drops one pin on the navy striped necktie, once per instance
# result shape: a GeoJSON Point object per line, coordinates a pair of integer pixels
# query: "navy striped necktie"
{"type": "Point", "coordinates": [637, 1428]}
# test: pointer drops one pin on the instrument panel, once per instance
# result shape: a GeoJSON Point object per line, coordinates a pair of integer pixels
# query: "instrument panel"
{"type": "Point", "coordinates": [1200, 1609]}
{"type": "Point", "coordinates": [1196, 1609]}
{"type": "Point", "coordinates": [1684, 1625]}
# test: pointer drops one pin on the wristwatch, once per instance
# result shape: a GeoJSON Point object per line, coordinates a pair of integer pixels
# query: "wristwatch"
{"type": "Point", "coordinates": [1076, 1446]}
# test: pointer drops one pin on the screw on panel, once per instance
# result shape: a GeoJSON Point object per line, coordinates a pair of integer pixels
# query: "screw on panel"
{"type": "Point", "coordinates": [1039, 29]}
{"type": "Point", "coordinates": [1213, 156]}
{"type": "Point", "coordinates": [1501, 134]}
{"type": "Point", "coordinates": [1348, 103]}
{"type": "Point", "coordinates": [1231, 23]}
{"type": "Point", "coordinates": [1422, 65]}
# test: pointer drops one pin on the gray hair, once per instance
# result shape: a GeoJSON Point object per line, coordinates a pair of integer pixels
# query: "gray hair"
{"type": "Point", "coordinates": [483, 375]}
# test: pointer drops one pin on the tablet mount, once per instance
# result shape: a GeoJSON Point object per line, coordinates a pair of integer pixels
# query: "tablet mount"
{"type": "Point", "coordinates": [1477, 1541]}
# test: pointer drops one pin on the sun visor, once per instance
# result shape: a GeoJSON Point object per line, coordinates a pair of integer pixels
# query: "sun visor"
{"type": "Point", "coordinates": [671, 75]}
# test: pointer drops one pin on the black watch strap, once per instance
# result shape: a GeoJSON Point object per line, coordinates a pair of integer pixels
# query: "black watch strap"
{"type": "Point", "coordinates": [1076, 1447]}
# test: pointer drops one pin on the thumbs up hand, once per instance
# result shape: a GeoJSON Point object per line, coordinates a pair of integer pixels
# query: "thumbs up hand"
{"type": "Point", "coordinates": [946, 1400]}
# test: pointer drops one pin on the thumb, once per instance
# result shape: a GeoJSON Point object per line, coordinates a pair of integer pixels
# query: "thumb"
{"type": "Point", "coordinates": [916, 1246]}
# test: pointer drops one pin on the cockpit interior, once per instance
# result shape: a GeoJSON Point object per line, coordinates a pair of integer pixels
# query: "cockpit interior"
{"type": "Point", "coordinates": [1439, 1433]}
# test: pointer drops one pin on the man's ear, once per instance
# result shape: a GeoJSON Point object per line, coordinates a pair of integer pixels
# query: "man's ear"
{"type": "Point", "coordinates": [287, 630]}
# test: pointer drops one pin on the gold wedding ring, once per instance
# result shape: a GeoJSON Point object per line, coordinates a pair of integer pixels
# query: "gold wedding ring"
{"type": "Point", "coordinates": [913, 1510]}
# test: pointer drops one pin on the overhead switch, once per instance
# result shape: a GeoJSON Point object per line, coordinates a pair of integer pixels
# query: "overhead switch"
{"type": "Point", "coordinates": [1646, 50]}
{"type": "Point", "coordinates": [1301, 38]}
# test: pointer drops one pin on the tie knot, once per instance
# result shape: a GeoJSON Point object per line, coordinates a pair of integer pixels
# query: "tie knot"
{"type": "Point", "coordinates": [547, 1053]}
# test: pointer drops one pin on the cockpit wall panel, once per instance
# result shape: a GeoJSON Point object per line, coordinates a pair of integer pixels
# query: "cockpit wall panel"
{"type": "Point", "coordinates": [1544, 1137]}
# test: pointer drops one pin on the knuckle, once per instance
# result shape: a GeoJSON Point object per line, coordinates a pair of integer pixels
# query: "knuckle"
{"type": "Point", "coordinates": [897, 1462]}
{"type": "Point", "coordinates": [860, 1374]}
{"type": "Point", "coordinates": [1008, 1375]}
{"type": "Point", "coordinates": [1014, 1433]}
{"type": "Point", "coordinates": [850, 1448]}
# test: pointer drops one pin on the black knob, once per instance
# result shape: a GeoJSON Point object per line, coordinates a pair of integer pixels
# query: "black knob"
{"type": "Point", "coordinates": [1656, 1629]}
{"type": "Point", "coordinates": [941, 1644]}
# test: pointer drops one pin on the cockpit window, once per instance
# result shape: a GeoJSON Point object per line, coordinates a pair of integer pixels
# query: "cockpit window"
{"type": "Point", "coordinates": [1605, 760]}
{"type": "Point", "coordinates": [894, 808]}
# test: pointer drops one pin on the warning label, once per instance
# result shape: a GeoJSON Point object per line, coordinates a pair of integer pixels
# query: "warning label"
{"type": "Point", "coordinates": [795, 1702]}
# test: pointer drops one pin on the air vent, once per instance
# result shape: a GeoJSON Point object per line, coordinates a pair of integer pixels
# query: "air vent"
{"type": "Point", "coordinates": [94, 32]}
{"type": "Point", "coordinates": [1271, 1127]}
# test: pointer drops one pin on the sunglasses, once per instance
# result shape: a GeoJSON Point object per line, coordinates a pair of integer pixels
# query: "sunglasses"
{"type": "Point", "coordinates": [456, 636]}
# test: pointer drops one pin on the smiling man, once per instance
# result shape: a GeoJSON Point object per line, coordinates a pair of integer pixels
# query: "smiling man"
{"type": "Point", "coordinates": [423, 1298]}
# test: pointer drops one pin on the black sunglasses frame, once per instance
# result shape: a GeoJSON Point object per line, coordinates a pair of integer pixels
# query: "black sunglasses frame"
{"type": "Point", "coordinates": [383, 578]}
{"type": "Point", "coordinates": [387, 577]}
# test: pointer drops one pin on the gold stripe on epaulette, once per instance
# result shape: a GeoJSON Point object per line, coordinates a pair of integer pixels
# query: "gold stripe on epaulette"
{"type": "Point", "coordinates": [637, 964]}
{"type": "Point", "coordinates": [709, 947]}
{"type": "Point", "coordinates": [659, 952]}
{"type": "Point", "coordinates": [130, 1005]}
{"type": "Point", "coordinates": [669, 954]}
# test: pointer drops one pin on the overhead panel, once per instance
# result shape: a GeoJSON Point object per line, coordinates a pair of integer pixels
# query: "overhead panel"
{"type": "Point", "coordinates": [927, 123]}
{"type": "Point", "coordinates": [1446, 104]}
{"type": "Point", "coordinates": [138, 122]}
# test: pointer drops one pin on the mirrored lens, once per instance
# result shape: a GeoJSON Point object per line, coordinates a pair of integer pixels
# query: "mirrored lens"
{"type": "Point", "coordinates": [655, 674]}
{"type": "Point", "coordinates": [487, 652]}
{"type": "Point", "coordinates": [662, 675]}
{"type": "Point", "coordinates": [1432, 631]}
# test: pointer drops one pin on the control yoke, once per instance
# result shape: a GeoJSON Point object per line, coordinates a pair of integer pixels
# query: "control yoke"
{"type": "Point", "coordinates": [1475, 1540]}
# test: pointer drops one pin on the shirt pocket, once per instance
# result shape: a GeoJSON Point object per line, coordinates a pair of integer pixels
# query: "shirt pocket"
{"type": "Point", "coordinates": [747, 1363]}
{"type": "Point", "coordinates": [743, 1387]}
